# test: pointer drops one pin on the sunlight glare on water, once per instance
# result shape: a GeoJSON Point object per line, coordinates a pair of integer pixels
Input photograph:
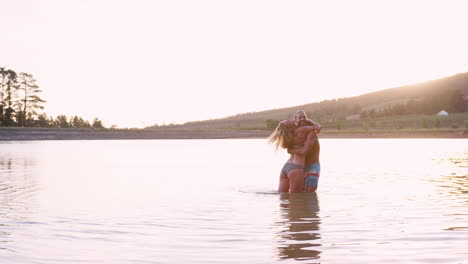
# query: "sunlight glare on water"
{"type": "Point", "coordinates": [215, 201]}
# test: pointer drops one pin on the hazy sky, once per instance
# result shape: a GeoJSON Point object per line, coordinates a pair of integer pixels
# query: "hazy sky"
{"type": "Point", "coordinates": [136, 63]}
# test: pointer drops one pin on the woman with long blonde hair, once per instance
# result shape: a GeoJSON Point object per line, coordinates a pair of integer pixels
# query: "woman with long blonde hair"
{"type": "Point", "coordinates": [288, 135]}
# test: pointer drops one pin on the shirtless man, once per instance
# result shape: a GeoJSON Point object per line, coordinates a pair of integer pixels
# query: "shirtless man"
{"type": "Point", "coordinates": [289, 135]}
{"type": "Point", "coordinates": [312, 161]}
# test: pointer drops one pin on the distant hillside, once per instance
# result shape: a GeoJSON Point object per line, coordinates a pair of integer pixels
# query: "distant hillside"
{"type": "Point", "coordinates": [449, 93]}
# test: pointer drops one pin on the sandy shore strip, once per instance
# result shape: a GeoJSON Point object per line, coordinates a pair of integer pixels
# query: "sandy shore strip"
{"type": "Point", "coordinates": [22, 134]}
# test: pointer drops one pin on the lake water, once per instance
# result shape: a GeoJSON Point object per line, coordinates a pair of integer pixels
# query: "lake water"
{"type": "Point", "coordinates": [215, 201]}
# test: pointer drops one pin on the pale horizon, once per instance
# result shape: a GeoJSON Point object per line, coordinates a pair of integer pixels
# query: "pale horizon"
{"type": "Point", "coordinates": [140, 63]}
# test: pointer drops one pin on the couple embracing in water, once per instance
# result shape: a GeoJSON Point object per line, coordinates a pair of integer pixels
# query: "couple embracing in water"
{"type": "Point", "coordinates": [302, 170]}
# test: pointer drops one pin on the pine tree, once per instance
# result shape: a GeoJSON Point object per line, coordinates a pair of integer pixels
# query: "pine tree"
{"type": "Point", "coordinates": [29, 101]}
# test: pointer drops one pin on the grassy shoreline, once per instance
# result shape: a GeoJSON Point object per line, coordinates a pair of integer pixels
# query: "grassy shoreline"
{"type": "Point", "coordinates": [26, 134]}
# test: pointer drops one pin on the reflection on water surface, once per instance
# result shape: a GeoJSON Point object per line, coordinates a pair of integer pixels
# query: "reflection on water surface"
{"type": "Point", "coordinates": [300, 234]}
{"type": "Point", "coordinates": [214, 201]}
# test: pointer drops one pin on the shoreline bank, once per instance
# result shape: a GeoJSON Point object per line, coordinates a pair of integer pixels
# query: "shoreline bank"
{"type": "Point", "coordinates": [27, 134]}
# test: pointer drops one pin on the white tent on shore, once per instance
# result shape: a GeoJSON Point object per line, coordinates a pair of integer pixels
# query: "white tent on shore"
{"type": "Point", "coordinates": [442, 113]}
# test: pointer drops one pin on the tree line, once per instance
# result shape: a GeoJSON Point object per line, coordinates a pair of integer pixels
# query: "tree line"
{"type": "Point", "coordinates": [21, 104]}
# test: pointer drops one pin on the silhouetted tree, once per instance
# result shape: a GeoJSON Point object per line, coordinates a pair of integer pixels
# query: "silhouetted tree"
{"type": "Point", "coordinates": [52, 122]}
{"type": "Point", "coordinates": [61, 121]}
{"type": "Point", "coordinates": [97, 123]}
{"type": "Point", "coordinates": [42, 121]}
{"type": "Point", "coordinates": [29, 101]}
{"type": "Point", "coordinates": [79, 122]}
{"type": "Point", "coordinates": [7, 92]}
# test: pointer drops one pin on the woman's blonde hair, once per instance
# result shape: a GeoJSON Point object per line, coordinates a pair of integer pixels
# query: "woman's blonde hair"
{"type": "Point", "coordinates": [282, 135]}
